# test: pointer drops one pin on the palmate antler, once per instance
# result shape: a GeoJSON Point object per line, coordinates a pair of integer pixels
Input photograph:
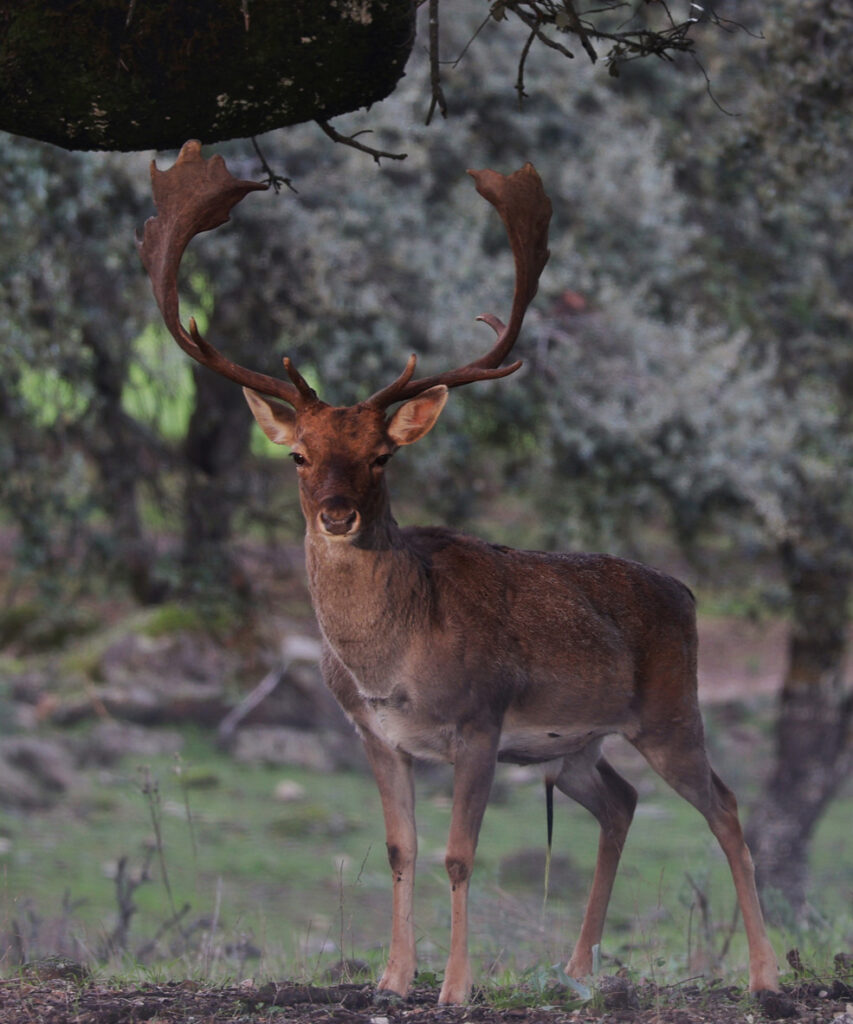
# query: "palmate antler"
{"type": "Point", "coordinates": [196, 195]}
{"type": "Point", "coordinates": [525, 210]}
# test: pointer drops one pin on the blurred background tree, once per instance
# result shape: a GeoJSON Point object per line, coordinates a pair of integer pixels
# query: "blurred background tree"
{"type": "Point", "coordinates": [688, 361]}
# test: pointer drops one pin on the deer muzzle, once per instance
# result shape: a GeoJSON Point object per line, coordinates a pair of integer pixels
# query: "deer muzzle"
{"type": "Point", "coordinates": [338, 518]}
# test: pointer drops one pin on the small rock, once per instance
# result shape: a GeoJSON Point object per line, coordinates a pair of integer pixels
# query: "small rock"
{"type": "Point", "coordinates": [282, 745]}
{"type": "Point", "coordinates": [617, 993]}
{"type": "Point", "coordinates": [55, 968]}
{"type": "Point", "coordinates": [110, 740]}
{"type": "Point", "coordinates": [347, 970]}
{"type": "Point", "coordinates": [289, 790]}
{"type": "Point", "coordinates": [776, 1005]}
{"type": "Point", "coordinates": [34, 772]}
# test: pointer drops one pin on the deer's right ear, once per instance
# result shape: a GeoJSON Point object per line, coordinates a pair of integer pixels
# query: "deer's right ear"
{"type": "Point", "coordinates": [277, 421]}
{"type": "Point", "coordinates": [417, 416]}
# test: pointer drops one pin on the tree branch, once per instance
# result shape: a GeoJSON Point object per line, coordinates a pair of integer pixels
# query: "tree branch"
{"type": "Point", "coordinates": [351, 140]}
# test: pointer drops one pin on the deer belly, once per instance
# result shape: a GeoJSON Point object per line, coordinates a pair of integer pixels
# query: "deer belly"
{"type": "Point", "coordinates": [528, 744]}
{"type": "Point", "coordinates": [403, 731]}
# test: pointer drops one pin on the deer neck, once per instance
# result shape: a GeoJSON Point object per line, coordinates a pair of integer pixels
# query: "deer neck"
{"type": "Point", "coordinates": [367, 596]}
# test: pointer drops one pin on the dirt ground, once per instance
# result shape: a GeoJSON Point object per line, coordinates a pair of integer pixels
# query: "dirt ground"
{"type": "Point", "coordinates": [63, 1001]}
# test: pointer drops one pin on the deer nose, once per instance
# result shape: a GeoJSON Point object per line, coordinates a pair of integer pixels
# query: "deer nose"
{"type": "Point", "coordinates": [339, 521]}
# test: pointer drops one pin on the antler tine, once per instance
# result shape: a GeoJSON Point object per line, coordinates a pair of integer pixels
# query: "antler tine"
{"type": "Point", "coordinates": [387, 396]}
{"type": "Point", "coordinates": [525, 210]}
{"type": "Point", "coordinates": [302, 385]}
{"type": "Point", "coordinates": [196, 195]}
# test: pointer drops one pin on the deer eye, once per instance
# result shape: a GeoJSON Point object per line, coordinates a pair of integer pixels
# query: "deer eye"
{"type": "Point", "coordinates": [381, 460]}
{"type": "Point", "coordinates": [298, 458]}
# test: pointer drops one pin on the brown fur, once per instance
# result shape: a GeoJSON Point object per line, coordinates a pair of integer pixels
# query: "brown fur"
{"type": "Point", "coordinates": [442, 646]}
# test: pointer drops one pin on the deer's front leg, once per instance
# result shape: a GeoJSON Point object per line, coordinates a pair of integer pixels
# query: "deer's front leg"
{"type": "Point", "coordinates": [392, 770]}
{"type": "Point", "coordinates": [472, 782]}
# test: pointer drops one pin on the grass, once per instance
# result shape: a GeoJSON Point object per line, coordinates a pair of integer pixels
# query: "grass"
{"type": "Point", "coordinates": [284, 889]}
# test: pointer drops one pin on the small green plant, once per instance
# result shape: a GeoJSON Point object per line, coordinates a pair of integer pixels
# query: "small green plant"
{"type": "Point", "coordinates": [173, 618]}
{"type": "Point", "coordinates": [536, 986]}
{"type": "Point", "coordinates": [429, 978]}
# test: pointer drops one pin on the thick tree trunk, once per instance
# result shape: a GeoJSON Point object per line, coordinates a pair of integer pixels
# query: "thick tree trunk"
{"type": "Point", "coordinates": [114, 443]}
{"type": "Point", "coordinates": [813, 742]}
{"type": "Point", "coordinates": [216, 447]}
{"type": "Point", "coordinates": [113, 74]}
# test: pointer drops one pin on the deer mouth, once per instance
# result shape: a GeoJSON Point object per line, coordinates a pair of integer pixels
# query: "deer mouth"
{"type": "Point", "coordinates": [339, 522]}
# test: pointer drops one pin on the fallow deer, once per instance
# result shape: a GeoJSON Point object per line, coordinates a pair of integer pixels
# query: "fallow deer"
{"type": "Point", "coordinates": [441, 646]}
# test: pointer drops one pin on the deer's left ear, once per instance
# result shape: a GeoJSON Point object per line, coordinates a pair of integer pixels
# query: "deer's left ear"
{"type": "Point", "coordinates": [277, 421]}
{"type": "Point", "coordinates": [417, 416]}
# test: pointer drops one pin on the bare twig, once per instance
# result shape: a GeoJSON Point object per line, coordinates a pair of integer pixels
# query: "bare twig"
{"type": "Point", "coordinates": [701, 901]}
{"type": "Point", "coordinates": [276, 180]}
{"type": "Point", "coordinates": [126, 885]}
{"type": "Point", "coordinates": [18, 949]}
{"type": "Point", "coordinates": [151, 792]}
{"type": "Point", "coordinates": [173, 922]}
{"type": "Point", "coordinates": [352, 141]}
{"type": "Point", "coordinates": [535, 22]}
{"type": "Point", "coordinates": [477, 31]}
{"type": "Point", "coordinates": [579, 30]}
{"type": "Point", "coordinates": [626, 42]}
{"type": "Point", "coordinates": [519, 81]}
{"type": "Point", "coordinates": [729, 934]}
{"type": "Point", "coordinates": [180, 772]}
{"type": "Point", "coordinates": [710, 91]}
{"type": "Point", "coordinates": [437, 99]}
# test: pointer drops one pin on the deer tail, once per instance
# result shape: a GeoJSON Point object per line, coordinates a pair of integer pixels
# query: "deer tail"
{"type": "Point", "coordinates": [549, 825]}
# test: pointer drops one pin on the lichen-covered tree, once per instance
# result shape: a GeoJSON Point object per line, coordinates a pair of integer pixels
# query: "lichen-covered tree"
{"type": "Point", "coordinates": [114, 75]}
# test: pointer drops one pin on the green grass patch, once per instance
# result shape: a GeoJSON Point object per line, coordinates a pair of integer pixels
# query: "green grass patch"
{"type": "Point", "coordinates": [277, 888]}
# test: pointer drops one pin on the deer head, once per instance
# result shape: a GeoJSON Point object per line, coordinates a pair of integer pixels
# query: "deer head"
{"type": "Point", "coordinates": [340, 452]}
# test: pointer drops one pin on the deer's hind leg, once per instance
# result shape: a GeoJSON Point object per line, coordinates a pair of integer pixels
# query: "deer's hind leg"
{"type": "Point", "coordinates": [679, 757]}
{"type": "Point", "coordinates": [589, 779]}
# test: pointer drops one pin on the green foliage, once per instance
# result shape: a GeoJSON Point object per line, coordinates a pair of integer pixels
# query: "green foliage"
{"type": "Point", "coordinates": [710, 376]}
{"type": "Point", "coordinates": [159, 390]}
{"type": "Point", "coordinates": [50, 399]}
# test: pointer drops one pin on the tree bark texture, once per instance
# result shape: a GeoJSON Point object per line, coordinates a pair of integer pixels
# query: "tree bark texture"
{"type": "Point", "coordinates": [128, 75]}
{"type": "Point", "coordinates": [813, 750]}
